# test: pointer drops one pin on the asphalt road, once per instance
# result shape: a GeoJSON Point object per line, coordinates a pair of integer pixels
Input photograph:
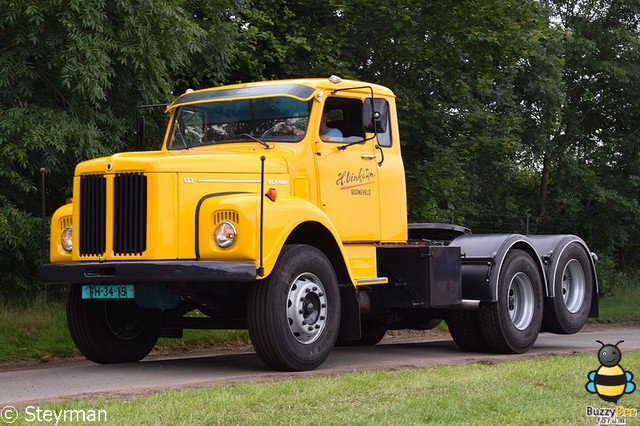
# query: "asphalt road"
{"type": "Point", "coordinates": [31, 385]}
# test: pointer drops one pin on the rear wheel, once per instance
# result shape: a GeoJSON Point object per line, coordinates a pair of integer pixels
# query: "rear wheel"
{"type": "Point", "coordinates": [109, 331]}
{"type": "Point", "coordinates": [294, 315]}
{"type": "Point", "coordinates": [464, 327]}
{"type": "Point", "coordinates": [512, 324]}
{"type": "Point", "coordinates": [567, 312]}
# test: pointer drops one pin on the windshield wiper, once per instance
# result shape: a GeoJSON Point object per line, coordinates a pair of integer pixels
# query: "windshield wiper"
{"type": "Point", "coordinates": [179, 131]}
{"type": "Point", "coordinates": [260, 141]}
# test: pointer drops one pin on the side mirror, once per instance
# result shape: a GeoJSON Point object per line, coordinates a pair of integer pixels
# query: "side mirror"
{"type": "Point", "coordinates": [374, 115]}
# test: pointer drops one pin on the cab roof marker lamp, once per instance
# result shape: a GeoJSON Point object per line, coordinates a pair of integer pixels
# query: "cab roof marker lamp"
{"type": "Point", "coordinates": [335, 79]}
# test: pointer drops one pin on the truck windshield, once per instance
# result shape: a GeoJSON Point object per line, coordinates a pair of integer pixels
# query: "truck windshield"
{"type": "Point", "coordinates": [276, 119]}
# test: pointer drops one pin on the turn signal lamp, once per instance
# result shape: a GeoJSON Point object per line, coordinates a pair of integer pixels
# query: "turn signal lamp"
{"type": "Point", "coordinates": [272, 194]}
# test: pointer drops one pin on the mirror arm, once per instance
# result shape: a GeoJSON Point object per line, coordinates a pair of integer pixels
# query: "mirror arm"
{"type": "Point", "coordinates": [381, 155]}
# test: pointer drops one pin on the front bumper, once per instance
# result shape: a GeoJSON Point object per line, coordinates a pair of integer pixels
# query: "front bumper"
{"type": "Point", "coordinates": [147, 271]}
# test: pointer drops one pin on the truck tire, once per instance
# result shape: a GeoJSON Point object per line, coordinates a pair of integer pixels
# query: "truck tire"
{"type": "Point", "coordinates": [512, 324]}
{"type": "Point", "coordinates": [294, 314]}
{"type": "Point", "coordinates": [464, 327]}
{"type": "Point", "coordinates": [567, 312]}
{"type": "Point", "coordinates": [108, 331]}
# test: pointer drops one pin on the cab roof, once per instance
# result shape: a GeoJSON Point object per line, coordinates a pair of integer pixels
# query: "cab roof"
{"type": "Point", "coordinates": [302, 89]}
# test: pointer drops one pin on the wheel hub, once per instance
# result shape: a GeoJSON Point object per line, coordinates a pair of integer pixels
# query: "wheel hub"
{"type": "Point", "coordinates": [123, 321]}
{"type": "Point", "coordinates": [521, 301]}
{"type": "Point", "coordinates": [307, 308]}
{"type": "Point", "coordinates": [573, 286]}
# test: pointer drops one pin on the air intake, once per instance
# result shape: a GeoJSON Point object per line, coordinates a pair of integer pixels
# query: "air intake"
{"type": "Point", "coordinates": [130, 214]}
{"type": "Point", "coordinates": [93, 208]}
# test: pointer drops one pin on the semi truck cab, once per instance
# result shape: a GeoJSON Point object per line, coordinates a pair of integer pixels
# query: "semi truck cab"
{"type": "Point", "coordinates": [280, 207]}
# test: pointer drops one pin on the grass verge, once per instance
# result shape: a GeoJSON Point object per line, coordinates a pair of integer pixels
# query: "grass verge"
{"type": "Point", "coordinates": [39, 331]}
{"type": "Point", "coordinates": [537, 391]}
{"type": "Point", "coordinates": [621, 305]}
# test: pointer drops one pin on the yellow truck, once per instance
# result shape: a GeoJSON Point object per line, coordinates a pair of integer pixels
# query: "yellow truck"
{"type": "Point", "coordinates": [280, 207]}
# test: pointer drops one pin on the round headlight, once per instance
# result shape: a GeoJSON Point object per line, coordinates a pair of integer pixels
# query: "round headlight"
{"type": "Point", "coordinates": [66, 239]}
{"type": "Point", "coordinates": [225, 234]}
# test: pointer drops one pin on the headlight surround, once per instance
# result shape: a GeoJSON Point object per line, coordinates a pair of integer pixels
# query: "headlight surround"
{"type": "Point", "coordinates": [66, 239]}
{"type": "Point", "coordinates": [225, 234]}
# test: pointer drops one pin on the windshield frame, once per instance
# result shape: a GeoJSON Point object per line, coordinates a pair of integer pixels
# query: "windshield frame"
{"type": "Point", "coordinates": [263, 113]}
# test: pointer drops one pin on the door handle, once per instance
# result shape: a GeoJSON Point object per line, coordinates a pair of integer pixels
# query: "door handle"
{"type": "Point", "coordinates": [369, 156]}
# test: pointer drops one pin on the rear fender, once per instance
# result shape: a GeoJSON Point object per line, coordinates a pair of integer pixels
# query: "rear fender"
{"type": "Point", "coordinates": [551, 248]}
{"type": "Point", "coordinates": [483, 259]}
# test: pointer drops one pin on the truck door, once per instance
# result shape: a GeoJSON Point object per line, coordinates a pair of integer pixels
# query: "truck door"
{"type": "Point", "coordinates": [348, 172]}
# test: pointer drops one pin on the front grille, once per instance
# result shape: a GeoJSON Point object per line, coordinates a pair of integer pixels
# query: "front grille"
{"type": "Point", "coordinates": [65, 222]}
{"type": "Point", "coordinates": [130, 214]}
{"type": "Point", "coordinates": [93, 209]}
{"type": "Point", "coordinates": [225, 215]}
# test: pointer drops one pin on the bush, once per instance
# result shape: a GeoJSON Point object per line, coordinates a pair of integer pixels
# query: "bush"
{"type": "Point", "coordinates": [612, 280]}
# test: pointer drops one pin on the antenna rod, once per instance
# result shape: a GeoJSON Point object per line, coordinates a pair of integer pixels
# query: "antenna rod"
{"type": "Point", "coordinates": [261, 267]}
{"type": "Point", "coordinates": [43, 247]}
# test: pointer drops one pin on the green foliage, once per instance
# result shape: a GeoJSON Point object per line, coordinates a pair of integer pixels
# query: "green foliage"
{"type": "Point", "coordinates": [514, 115]}
{"type": "Point", "coordinates": [590, 161]}
{"type": "Point", "coordinates": [71, 77]}
{"type": "Point", "coordinates": [455, 68]}
{"type": "Point", "coordinates": [19, 249]}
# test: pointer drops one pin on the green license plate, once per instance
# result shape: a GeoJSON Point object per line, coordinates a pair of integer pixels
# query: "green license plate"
{"type": "Point", "coordinates": [111, 291]}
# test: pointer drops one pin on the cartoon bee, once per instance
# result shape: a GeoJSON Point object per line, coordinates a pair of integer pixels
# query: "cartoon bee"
{"type": "Point", "coordinates": [610, 381]}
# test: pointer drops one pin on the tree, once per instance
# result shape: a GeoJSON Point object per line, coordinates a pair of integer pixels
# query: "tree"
{"type": "Point", "coordinates": [590, 182]}
{"type": "Point", "coordinates": [72, 74]}
{"type": "Point", "coordinates": [454, 68]}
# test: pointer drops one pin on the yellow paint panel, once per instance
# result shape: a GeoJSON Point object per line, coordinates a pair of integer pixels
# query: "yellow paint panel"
{"type": "Point", "coordinates": [60, 220]}
{"type": "Point", "coordinates": [361, 261]}
{"type": "Point", "coordinates": [301, 188]}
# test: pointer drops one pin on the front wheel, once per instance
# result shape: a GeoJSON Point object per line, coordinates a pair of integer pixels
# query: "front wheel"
{"type": "Point", "coordinates": [109, 331]}
{"type": "Point", "coordinates": [512, 323]}
{"type": "Point", "coordinates": [294, 315]}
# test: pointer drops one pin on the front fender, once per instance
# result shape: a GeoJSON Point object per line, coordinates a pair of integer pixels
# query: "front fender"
{"type": "Point", "coordinates": [61, 219]}
{"type": "Point", "coordinates": [243, 210]}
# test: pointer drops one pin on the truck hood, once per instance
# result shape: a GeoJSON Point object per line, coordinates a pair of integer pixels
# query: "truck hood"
{"type": "Point", "coordinates": [183, 161]}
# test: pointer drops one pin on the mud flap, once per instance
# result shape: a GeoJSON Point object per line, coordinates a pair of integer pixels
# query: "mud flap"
{"type": "Point", "coordinates": [350, 321]}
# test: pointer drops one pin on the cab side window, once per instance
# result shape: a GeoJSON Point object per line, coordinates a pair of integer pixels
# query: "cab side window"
{"type": "Point", "coordinates": [345, 115]}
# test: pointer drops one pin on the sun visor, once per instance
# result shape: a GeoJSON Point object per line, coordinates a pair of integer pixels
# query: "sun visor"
{"type": "Point", "coordinates": [297, 91]}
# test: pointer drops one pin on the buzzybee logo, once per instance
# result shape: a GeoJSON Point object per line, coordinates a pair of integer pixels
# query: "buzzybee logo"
{"type": "Point", "coordinates": [610, 382]}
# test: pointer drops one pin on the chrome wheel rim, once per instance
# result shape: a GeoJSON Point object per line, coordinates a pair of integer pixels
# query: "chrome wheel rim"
{"type": "Point", "coordinates": [306, 308]}
{"type": "Point", "coordinates": [520, 301]}
{"type": "Point", "coordinates": [574, 286]}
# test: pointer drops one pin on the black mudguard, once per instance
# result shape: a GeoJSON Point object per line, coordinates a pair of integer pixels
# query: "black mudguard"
{"type": "Point", "coordinates": [551, 248]}
{"type": "Point", "coordinates": [483, 258]}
